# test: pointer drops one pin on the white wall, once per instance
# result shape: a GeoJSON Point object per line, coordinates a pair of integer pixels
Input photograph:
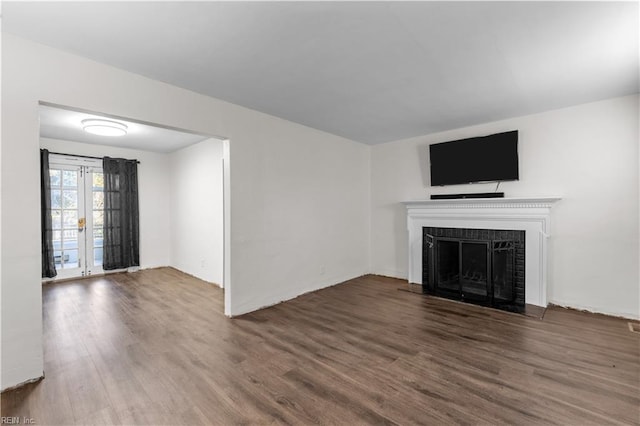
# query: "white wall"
{"type": "Point", "coordinates": [302, 227]}
{"type": "Point", "coordinates": [588, 154]}
{"type": "Point", "coordinates": [153, 184]}
{"type": "Point", "coordinates": [299, 208]}
{"type": "Point", "coordinates": [197, 211]}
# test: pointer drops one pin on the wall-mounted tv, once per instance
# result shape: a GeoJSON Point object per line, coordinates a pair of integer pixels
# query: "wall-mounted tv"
{"type": "Point", "coordinates": [481, 159]}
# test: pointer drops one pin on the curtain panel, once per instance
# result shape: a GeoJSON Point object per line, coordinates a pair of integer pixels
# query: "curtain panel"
{"type": "Point", "coordinates": [46, 228]}
{"type": "Point", "coordinates": [121, 215]}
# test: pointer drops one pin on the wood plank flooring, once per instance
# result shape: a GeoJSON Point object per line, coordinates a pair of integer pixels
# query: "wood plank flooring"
{"type": "Point", "coordinates": [153, 347]}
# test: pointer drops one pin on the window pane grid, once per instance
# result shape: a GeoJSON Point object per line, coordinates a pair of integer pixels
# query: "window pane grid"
{"type": "Point", "coordinates": [97, 196]}
{"type": "Point", "coordinates": [64, 216]}
{"type": "Point", "coordinates": [67, 189]}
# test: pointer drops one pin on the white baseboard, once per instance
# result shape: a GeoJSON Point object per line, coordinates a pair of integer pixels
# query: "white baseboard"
{"type": "Point", "coordinates": [594, 310]}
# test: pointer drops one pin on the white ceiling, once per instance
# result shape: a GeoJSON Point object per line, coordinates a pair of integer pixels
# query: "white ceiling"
{"type": "Point", "coordinates": [369, 71]}
{"type": "Point", "coordinates": [65, 124]}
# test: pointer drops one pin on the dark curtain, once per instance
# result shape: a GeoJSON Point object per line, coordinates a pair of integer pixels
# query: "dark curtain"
{"type": "Point", "coordinates": [121, 216]}
{"type": "Point", "coordinates": [46, 228]}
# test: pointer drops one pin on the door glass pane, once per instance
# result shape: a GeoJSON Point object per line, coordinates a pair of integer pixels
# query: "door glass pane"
{"type": "Point", "coordinates": [474, 269]}
{"type": "Point", "coordinates": [70, 218]}
{"type": "Point", "coordinates": [503, 272]}
{"type": "Point", "coordinates": [97, 256]}
{"type": "Point", "coordinates": [98, 218]}
{"type": "Point", "coordinates": [56, 219]}
{"type": "Point", "coordinates": [70, 178]}
{"type": "Point", "coordinates": [56, 199]}
{"type": "Point", "coordinates": [70, 237]}
{"type": "Point", "coordinates": [97, 237]}
{"type": "Point", "coordinates": [70, 259]}
{"type": "Point", "coordinates": [54, 177]}
{"type": "Point", "coordinates": [98, 200]}
{"type": "Point", "coordinates": [98, 181]}
{"type": "Point", "coordinates": [57, 258]}
{"type": "Point", "coordinates": [448, 276]}
{"type": "Point", "coordinates": [69, 199]}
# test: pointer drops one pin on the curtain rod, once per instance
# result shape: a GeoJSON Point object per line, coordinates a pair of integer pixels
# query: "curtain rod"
{"type": "Point", "coordinates": [82, 156]}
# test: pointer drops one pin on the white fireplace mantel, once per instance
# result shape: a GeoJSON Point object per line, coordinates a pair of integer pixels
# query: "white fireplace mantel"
{"type": "Point", "coordinates": [532, 215]}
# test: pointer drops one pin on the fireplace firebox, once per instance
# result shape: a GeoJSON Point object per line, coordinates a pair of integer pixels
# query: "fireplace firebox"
{"type": "Point", "coordinates": [481, 266]}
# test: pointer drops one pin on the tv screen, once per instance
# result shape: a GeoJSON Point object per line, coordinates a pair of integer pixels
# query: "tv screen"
{"type": "Point", "coordinates": [481, 159]}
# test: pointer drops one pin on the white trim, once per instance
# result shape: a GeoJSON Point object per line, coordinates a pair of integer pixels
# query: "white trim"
{"type": "Point", "coordinates": [532, 215]}
{"type": "Point", "coordinates": [226, 195]}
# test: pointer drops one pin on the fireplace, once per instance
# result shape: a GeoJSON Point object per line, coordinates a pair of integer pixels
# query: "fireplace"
{"type": "Point", "coordinates": [531, 215]}
{"type": "Point", "coordinates": [481, 266]}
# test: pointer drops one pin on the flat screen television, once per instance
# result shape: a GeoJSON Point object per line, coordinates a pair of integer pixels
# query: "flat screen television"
{"type": "Point", "coordinates": [481, 159]}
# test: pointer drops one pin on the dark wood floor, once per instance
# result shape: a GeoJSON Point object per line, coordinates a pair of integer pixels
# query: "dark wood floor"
{"type": "Point", "coordinates": [153, 347]}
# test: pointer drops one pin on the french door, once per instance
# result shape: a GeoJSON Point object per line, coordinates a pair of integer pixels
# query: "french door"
{"type": "Point", "coordinates": [77, 215]}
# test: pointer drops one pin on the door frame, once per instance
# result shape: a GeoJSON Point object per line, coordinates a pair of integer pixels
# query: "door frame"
{"type": "Point", "coordinates": [85, 189]}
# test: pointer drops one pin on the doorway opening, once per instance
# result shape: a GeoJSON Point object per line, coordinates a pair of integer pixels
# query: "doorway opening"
{"type": "Point", "coordinates": [183, 179]}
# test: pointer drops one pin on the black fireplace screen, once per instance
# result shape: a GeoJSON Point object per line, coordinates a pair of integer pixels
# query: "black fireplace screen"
{"type": "Point", "coordinates": [482, 266]}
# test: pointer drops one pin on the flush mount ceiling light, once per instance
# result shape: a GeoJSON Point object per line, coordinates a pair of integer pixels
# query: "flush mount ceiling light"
{"type": "Point", "coordinates": [104, 127]}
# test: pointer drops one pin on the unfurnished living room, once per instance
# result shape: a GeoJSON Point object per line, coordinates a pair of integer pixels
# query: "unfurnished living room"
{"type": "Point", "coordinates": [226, 213]}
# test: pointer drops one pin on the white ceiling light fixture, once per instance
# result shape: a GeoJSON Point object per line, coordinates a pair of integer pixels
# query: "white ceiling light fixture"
{"type": "Point", "coordinates": [104, 127]}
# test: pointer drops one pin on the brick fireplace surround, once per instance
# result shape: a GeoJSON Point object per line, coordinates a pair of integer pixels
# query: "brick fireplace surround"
{"type": "Point", "coordinates": [532, 215]}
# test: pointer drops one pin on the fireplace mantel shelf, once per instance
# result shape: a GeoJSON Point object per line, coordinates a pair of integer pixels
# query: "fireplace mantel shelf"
{"type": "Point", "coordinates": [538, 202]}
{"type": "Point", "coordinates": [530, 214]}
